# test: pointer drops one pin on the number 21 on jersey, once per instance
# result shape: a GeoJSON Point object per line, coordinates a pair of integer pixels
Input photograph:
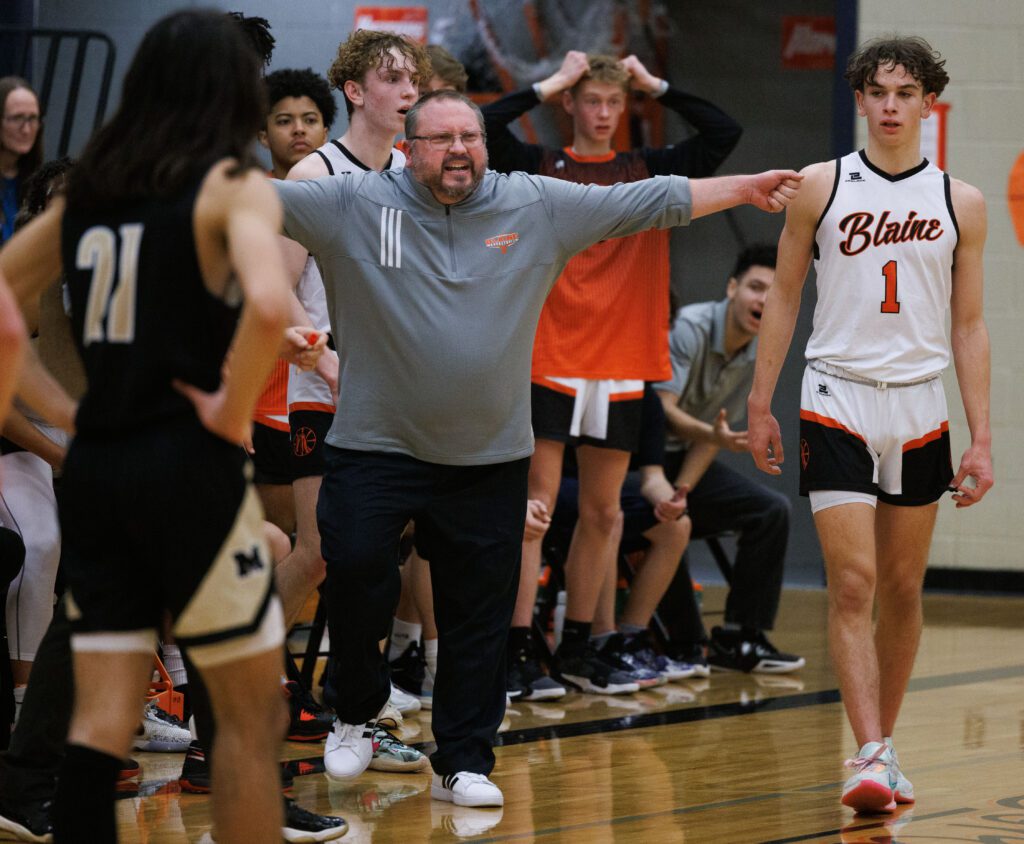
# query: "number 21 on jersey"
{"type": "Point", "coordinates": [890, 304]}
{"type": "Point", "coordinates": [110, 311]}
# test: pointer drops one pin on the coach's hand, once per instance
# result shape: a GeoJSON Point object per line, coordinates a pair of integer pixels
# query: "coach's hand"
{"type": "Point", "coordinates": [302, 346]}
{"type": "Point", "coordinates": [774, 190]}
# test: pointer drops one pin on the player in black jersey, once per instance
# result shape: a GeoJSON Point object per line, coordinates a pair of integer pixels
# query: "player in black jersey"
{"type": "Point", "coordinates": [168, 226]}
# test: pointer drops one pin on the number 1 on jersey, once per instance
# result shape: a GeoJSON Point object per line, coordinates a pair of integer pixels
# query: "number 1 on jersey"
{"type": "Point", "coordinates": [890, 304]}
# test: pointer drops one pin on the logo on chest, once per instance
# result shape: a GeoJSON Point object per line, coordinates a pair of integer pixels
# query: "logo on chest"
{"type": "Point", "coordinates": [863, 230]}
{"type": "Point", "coordinates": [391, 237]}
{"type": "Point", "coordinates": [502, 241]}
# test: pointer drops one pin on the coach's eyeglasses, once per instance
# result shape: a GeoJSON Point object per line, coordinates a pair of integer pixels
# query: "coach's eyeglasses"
{"type": "Point", "coordinates": [445, 140]}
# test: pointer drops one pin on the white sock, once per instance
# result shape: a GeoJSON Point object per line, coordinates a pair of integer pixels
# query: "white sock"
{"type": "Point", "coordinates": [175, 665]}
{"type": "Point", "coordinates": [430, 655]}
{"type": "Point", "coordinates": [402, 634]}
{"type": "Point", "coordinates": [19, 697]}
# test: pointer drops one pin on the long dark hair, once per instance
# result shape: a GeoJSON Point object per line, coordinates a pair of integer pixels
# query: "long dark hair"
{"type": "Point", "coordinates": [192, 96]}
{"type": "Point", "coordinates": [30, 161]}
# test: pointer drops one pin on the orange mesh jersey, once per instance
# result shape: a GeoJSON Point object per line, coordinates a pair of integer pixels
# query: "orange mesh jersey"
{"type": "Point", "coordinates": [273, 401]}
{"type": "Point", "coordinates": [607, 316]}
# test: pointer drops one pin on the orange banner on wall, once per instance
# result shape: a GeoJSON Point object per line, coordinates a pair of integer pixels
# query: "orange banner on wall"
{"type": "Point", "coordinates": [808, 42]}
{"type": "Point", "coordinates": [410, 21]}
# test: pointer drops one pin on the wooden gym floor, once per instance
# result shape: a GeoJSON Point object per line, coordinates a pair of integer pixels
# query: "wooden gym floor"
{"type": "Point", "coordinates": [733, 759]}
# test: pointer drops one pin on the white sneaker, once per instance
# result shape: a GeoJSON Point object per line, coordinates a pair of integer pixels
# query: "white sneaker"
{"type": "Point", "coordinates": [903, 791]}
{"type": "Point", "coordinates": [870, 789]}
{"type": "Point", "coordinates": [161, 732]}
{"type": "Point", "coordinates": [466, 789]}
{"type": "Point", "coordinates": [348, 750]}
{"type": "Point", "coordinates": [403, 701]}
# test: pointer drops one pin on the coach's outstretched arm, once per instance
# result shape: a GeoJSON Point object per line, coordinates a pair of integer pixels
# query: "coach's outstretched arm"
{"type": "Point", "coordinates": [780, 313]}
{"type": "Point", "coordinates": [771, 191]}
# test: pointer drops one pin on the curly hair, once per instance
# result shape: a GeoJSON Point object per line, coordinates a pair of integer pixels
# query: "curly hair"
{"type": "Point", "coordinates": [447, 68]}
{"type": "Point", "coordinates": [48, 181]}
{"type": "Point", "coordinates": [368, 49]}
{"type": "Point", "coordinates": [604, 68]}
{"type": "Point", "coordinates": [257, 31]}
{"type": "Point", "coordinates": [914, 53]}
{"type": "Point", "coordinates": [302, 83]}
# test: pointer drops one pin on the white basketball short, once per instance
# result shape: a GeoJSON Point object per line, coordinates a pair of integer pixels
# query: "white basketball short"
{"type": "Point", "coordinates": [892, 442]}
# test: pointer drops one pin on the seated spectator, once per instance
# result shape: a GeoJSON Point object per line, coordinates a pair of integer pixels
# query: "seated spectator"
{"type": "Point", "coordinates": [713, 345]}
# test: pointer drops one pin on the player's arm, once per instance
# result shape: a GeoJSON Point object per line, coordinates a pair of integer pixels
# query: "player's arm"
{"type": "Point", "coordinates": [244, 212]}
{"type": "Point", "coordinates": [505, 151]}
{"type": "Point", "coordinates": [294, 254]}
{"type": "Point", "coordinates": [696, 461]}
{"type": "Point", "coordinates": [781, 309]}
{"type": "Point", "coordinates": [13, 341]}
{"type": "Point", "coordinates": [20, 431]}
{"type": "Point", "coordinates": [697, 156]}
{"type": "Point", "coordinates": [970, 342]}
{"type": "Point", "coordinates": [30, 262]}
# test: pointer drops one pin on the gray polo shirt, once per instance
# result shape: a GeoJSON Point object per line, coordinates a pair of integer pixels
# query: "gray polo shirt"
{"type": "Point", "coordinates": [702, 377]}
{"type": "Point", "coordinates": [435, 307]}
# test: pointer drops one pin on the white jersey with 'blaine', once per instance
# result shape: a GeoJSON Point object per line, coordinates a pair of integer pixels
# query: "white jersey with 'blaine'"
{"type": "Point", "coordinates": [883, 254]}
{"type": "Point", "coordinates": [307, 390]}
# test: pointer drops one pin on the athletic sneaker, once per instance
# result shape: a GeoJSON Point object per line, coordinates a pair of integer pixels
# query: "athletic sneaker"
{"type": "Point", "coordinates": [301, 825]}
{"type": "Point", "coordinates": [348, 750]}
{"type": "Point", "coordinates": [694, 655]}
{"type": "Point", "coordinates": [404, 702]}
{"type": "Point", "coordinates": [614, 652]}
{"type": "Point", "coordinates": [870, 789]}
{"type": "Point", "coordinates": [30, 822]}
{"type": "Point", "coordinates": [466, 789]}
{"type": "Point", "coordinates": [390, 754]}
{"type": "Point", "coordinates": [586, 671]}
{"type": "Point", "coordinates": [410, 673]}
{"type": "Point", "coordinates": [641, 647]}
{"type": "Point", "coordinates": [129, 768]}
{"type": "Point", "coordinates": [161, 732]}
{"type": "Point", "coordinates": [525, 676]}
{"type": "Point", "coordinates": [195, 771]}
{"type": "Point", "coordinates": [309, 721]}
{"type": "Point", "coordinates": [749, 651]}
{"type": "Point", "coordinates": [903, 791]}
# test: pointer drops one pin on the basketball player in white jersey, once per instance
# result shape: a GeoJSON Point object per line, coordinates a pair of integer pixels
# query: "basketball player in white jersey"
{"type": "Point", "coordinates": [379, 74]}
{"type": "Point", "coordinates": [896, 244]}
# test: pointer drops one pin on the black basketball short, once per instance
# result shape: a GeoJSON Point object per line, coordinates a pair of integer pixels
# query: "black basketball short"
{"type": "Point", "coordinates": [308, 436]}
{"type": "Point", "coordinates": [273, 462]}
{"type": "Point", "coordinates": [165, 521]}
{"type": "Point", "coordinates": [605, 414]}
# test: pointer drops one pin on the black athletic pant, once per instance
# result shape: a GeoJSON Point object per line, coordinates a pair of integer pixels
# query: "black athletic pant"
{"type": "Point", "coordinates": [28, 770]}
{"type": "Point", "coordinates": [725, 500]}
{"type": "Point", "coordinates": [469, 525]}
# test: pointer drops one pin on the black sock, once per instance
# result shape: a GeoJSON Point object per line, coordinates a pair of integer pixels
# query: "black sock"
{"type": "Point", "coordinates": [83, 809]}
{"type": "Point", "coordinates": [575, 635]}
{"type": "Point", "coordinates": [519, 639]}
